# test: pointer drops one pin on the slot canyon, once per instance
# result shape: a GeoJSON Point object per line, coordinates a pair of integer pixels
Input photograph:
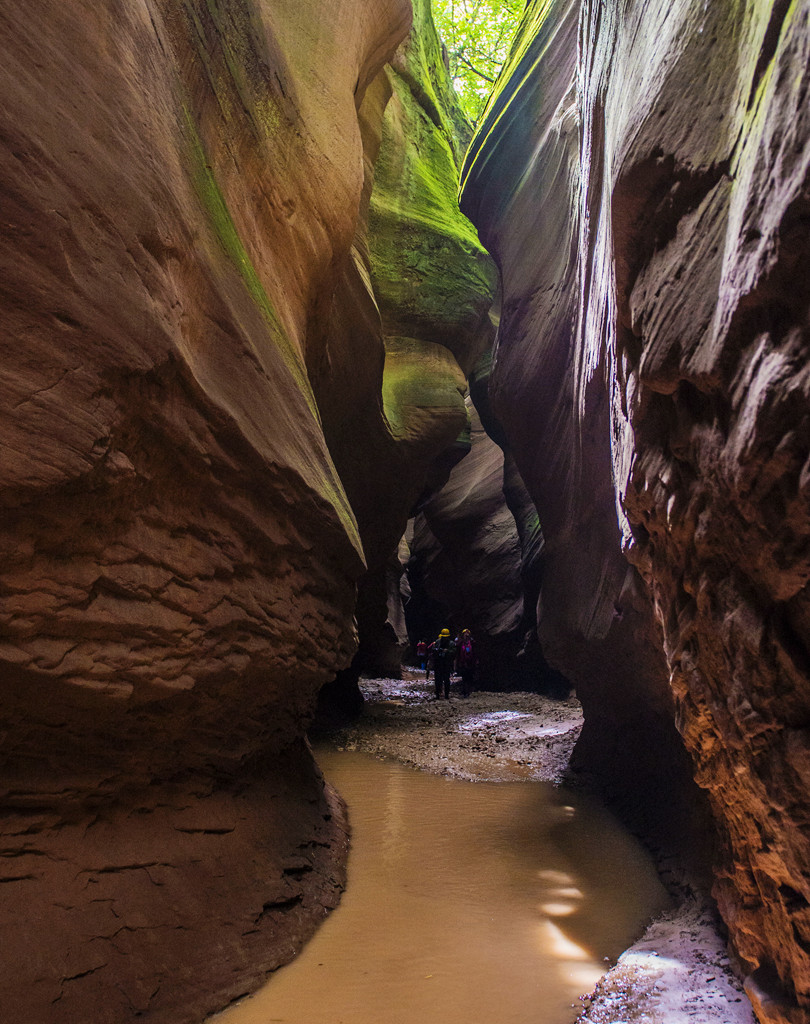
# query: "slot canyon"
{"type": "Point", "coordinates": [297, 365]}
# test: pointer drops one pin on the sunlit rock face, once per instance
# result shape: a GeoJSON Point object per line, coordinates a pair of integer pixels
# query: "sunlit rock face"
{"type": "Point", "coordinates": [180, 189]}
{"type": "Point", "coordinates": [649, 209]}
{"type": "Point", "coordinates": [410, 318]}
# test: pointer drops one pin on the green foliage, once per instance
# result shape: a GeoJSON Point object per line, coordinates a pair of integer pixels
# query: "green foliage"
{"type": "Point", "coordinates": [477, 35]}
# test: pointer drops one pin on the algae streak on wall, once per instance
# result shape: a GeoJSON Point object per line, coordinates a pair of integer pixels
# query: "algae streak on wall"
{"type": "Point", "coordinates": [188, 314]}
{"type": "Point", "coordinates": [648, 208]}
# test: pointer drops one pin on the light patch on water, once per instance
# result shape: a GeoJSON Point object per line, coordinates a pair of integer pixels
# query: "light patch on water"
{"type": "Point", "coordinates": [570, 893]}
{"type": "Point", "coordinates": [558, 909]}
{"type": "Point", "coordinates": [554, 877]}
{"type": "Point", "coordinates": [465, 902]}
{"type": "Point", "coordinates": [563, 948]}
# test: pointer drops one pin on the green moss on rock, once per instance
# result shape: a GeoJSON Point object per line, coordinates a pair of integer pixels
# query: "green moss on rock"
{"type": "Point", "coordinates": [225, 230]}
{"type": "Point", "coordinates": [423, 390]}
{"type": "Point", "coordinates": [432, 277]}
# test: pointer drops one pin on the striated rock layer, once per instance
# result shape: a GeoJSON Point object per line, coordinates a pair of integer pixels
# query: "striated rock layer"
{"type": "Point", "coordinates": [181, 186]}
{"type": "Point", "coordinates": [649, 209]}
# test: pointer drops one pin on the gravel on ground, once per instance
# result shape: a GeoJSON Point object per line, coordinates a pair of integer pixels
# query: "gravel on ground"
{"type": "Point", "coordinates": [484, 737]}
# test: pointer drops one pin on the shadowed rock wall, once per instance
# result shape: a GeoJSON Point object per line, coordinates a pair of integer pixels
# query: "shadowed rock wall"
{"type": "Point", "coordinates": [594, 619]}
{"type": "Point", "coordinates": [472, 560]}
{"type": "Point", "coordinates": [649, 209]}
{"type": "Point", "coordinates": [410, 319]}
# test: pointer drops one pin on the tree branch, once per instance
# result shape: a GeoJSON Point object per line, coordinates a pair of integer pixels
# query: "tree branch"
{"type": "Point", "coordinates": [473, 68]}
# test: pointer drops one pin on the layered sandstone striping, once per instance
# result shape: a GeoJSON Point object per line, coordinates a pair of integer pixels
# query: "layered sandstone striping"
{"type": "Point", "coordinates": [222, 395]}
{"type": "Point", "coordinates": [180, 187]}
{"type": "Point", "coordinates": [653, 359]}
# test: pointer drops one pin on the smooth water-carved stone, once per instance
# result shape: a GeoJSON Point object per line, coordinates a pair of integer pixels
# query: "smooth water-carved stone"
{"type": "Point", "coordinates": [410, 319]}
{"type": "Point", "coordinates": [656, 340]}
{"type": "Point", "coordinates": [179, 558]}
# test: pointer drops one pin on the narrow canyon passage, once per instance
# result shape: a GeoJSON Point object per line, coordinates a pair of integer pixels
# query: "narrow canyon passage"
{"type": "Point", "coordinates": [311, 355]}
{"type": "Point", "coordinates": [486, 902]}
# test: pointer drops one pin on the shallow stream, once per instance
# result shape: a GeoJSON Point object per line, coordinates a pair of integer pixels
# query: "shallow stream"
{"type": "Point", "coordinates": [467, 903]}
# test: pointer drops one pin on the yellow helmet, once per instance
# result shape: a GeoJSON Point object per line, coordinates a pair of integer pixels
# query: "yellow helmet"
{"type": "Point", "coordinates": [445, 632]}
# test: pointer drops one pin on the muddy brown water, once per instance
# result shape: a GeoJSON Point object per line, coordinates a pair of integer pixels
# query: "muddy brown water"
{"type": "Point", "coordinates": [467, 903]}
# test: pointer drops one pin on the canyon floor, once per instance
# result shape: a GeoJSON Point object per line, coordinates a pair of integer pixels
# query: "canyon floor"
{"type": "Point", "coordinates": [679, 971]}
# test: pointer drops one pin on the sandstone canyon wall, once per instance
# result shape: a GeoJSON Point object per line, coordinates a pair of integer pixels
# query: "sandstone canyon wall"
{"type": "Point", "coordinates": [189, 322]}
{"type": "Point", "coordinates": [594, 621]}
{"type": "Point", "coordinates": [416, 298]}
{"type": "Point", "coordinates": [473, 551]}
{"type": "Point", "coordinates": [649, 208]}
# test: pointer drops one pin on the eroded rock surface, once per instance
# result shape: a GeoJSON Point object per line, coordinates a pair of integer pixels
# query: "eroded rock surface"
{"type": "Point", "coordinates": [649, 209]}
{"type": "Point", "coordinates": [467, 563]}
{"type": "Point", "coordinates": [595, 621]}
{"type": "Point", "coordinates": [221, 396]}
{"type": "Point", "coordinates": [411, 318]}
{"type": "Point", "coordinates": [181, 190]}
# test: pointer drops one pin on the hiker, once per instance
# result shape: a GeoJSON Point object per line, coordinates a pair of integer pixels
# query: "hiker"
{"type": "Point", "coordinates": [422, 655]}
{"type": "Point", "coordinates": [444, 652]}
{"type": "Point", "coordinates": [465, 661]}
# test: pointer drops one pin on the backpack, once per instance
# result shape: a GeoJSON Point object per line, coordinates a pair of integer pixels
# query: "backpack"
{"type": "Point", "coordinates": [444, 648]}
{"type": "Point", "coordinates": [465, 653]}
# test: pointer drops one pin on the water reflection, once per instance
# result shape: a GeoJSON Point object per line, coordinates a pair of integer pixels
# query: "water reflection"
{"type": "Point", "coordinates": [491, 902]}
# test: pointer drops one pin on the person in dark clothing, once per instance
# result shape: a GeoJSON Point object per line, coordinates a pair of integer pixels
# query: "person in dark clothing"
{"type": "Point", "coordinates": [466, 661]}
{"type": "Point", "coordinates": [444, 653]}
